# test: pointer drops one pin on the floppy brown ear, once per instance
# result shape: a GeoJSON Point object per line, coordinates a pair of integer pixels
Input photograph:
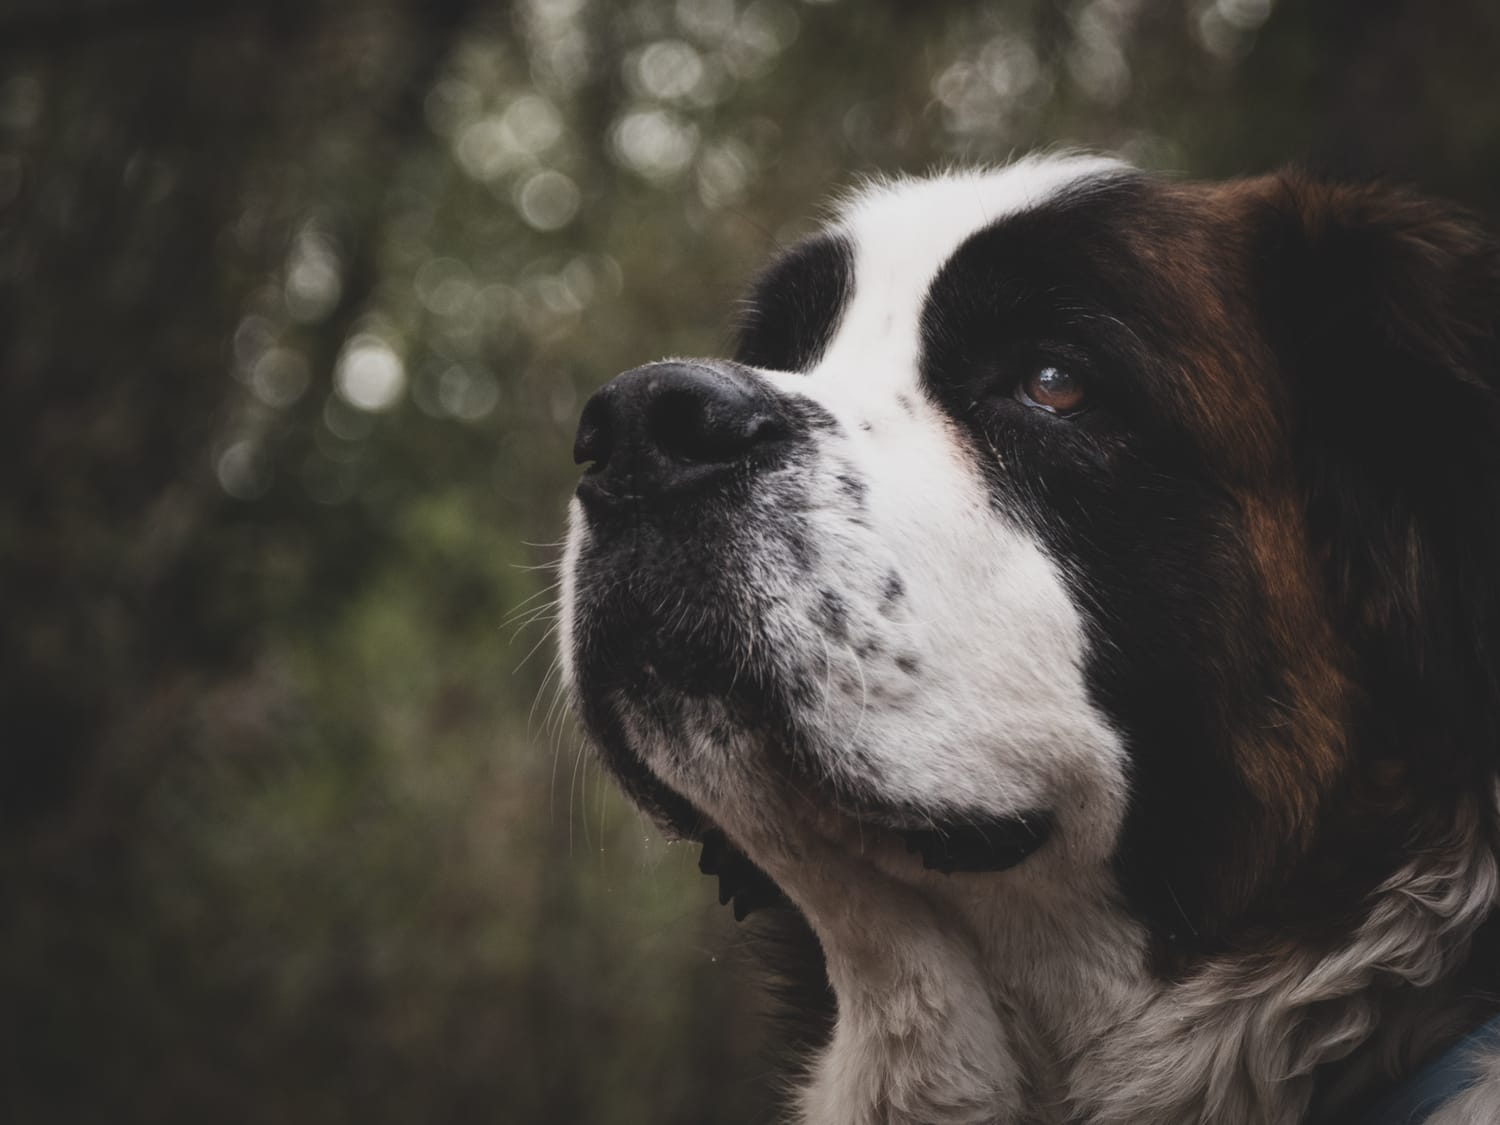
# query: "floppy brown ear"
{"type": "Point", "coordinates": [1384, 309]}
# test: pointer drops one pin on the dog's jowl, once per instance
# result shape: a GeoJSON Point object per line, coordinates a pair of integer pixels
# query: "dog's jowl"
{"type": "Point", "coordinates": [1075, 604]}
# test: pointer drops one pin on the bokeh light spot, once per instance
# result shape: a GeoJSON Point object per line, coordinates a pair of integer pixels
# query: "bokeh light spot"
{"type": "Point", "coordinates": [709, 20]}
{"type": "Point", "coordinates": [656, 143]}
{"type": "Point", "coordinates": [280, 377]}
{"type": "Point", "coordinates": [548, 200]}
{"type": "Point", "coordinates": [252, 337]}
{"type": "Point", "coordinates": [766, 28]}
{"type": "Point", "coordinates": [1096, 61]}
{"type": "Point", "coordinates": [724, 173]}
{"type": "Point", "coordinates": [470, 395]}
{"type": "Point", "coordinates": [556, 10]}
{"type": "Point", "coordinates": [1247, 15]}
{"type": "Point", "coordinates": [670, 69]}
{"type": "Point", "coordinates": [370, 375]}
{"type": "Point", "coordinates": [482, 152]}
{"type": "Point", "coordinates": [530, 125]}
{"type": "Point", "coordinates": [313, 282]}
{"type": "Point", "coordinates": [445, 286]}
{"type": "Point", "coordinates": [243, 471]}
{"type": "Point", "coordinates": [450, 105]}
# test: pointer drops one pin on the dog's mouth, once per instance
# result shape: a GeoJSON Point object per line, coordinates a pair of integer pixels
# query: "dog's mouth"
{"type": "Point", "coordinates": [989, 844]}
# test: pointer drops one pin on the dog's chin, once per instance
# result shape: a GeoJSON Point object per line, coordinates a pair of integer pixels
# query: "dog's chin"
{"type": "Point", "coordinates": [706, 770]}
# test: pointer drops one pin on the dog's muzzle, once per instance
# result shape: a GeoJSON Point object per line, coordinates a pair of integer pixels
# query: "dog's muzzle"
{"type": "Point", "coordinates": [677, 493]}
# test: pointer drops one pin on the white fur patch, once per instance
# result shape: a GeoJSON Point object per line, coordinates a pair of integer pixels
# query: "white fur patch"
{"type": "Point", "coordinates": [967, 693]}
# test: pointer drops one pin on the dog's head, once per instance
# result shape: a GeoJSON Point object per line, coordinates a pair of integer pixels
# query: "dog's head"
{"type": "Point", "coordinates": [1057, 523]}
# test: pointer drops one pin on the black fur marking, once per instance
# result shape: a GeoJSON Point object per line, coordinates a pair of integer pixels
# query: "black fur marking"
{"type": "Point", "coordinates": [908, 663]}
{"type": "Point", "coordinates": [1382, 334]}
{"type": "Point", "coordinates": [1150, 537]}
{"type": "Point", "coordinates": [853, 488]}
{"type": "Point", "coordinates": [810, 415]}
{"type": "Point", "coordinates": [795, 306]}
{"type": "Point", "coordinates": [891, 593]}
{"type": "Point", "coordinates": [801, 549]}
{"type": "Point", "coordinates": [831, 614]}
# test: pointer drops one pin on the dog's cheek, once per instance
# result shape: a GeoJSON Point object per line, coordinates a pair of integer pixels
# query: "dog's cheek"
{"type": "Point", "coordinates": [945, 646]}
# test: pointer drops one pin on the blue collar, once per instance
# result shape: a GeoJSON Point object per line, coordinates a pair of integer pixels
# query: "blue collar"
{"type": "Point", "coordinates": [1437, 1083]}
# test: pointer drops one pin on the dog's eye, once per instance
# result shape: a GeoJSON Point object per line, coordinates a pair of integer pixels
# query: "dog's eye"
{"type": "Point", "coordinates": [1052, 389]}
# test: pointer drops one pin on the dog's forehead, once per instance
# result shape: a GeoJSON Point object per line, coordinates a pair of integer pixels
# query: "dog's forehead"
{"type": "Point", "coordinates": [900, 232]}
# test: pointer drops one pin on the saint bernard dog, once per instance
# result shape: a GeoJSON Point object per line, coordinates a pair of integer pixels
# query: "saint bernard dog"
{"type": "Point", "coordinates": [1077, 606]}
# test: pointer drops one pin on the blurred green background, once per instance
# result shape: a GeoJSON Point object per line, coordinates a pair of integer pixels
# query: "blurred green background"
{"type": "Point", "coordinates": [298, 303]}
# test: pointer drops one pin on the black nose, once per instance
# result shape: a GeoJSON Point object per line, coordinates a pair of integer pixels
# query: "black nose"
{"type": "Point", "coordinates": [664, 426]}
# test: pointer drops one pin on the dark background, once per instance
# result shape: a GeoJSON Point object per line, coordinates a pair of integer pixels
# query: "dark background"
{"type": "Point", "coordinates": [298, 302]}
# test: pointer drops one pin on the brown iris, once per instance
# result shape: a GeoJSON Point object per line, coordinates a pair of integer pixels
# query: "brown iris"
{"type": "Point", "coordinates": [1054, 390]}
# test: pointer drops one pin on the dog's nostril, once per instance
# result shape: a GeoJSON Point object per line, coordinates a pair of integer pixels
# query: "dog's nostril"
{"type": "Point", "coordinates": [695, 425]}
{"type": "Point", "coordinates": [766, 429]}
{"type": "Point", "coordinates": [592, 442]}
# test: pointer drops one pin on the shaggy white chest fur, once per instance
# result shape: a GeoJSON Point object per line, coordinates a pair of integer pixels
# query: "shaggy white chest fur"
{"type": "Point", "coordinates": [1041, 1011]}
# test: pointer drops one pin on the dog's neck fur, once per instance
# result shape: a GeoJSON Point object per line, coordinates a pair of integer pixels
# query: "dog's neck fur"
{"type": "Point", "coordinates": [1042, 1009]}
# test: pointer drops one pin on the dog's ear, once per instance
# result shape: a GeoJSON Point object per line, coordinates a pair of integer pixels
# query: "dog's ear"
{"type": "Point", "coordinates": [1384, 309]}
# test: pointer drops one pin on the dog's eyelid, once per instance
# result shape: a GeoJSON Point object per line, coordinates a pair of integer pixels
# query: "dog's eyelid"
{"type": "Point", "coordinates": [1076, 359]}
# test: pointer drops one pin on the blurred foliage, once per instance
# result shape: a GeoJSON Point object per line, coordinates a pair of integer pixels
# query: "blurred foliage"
{"type": "Point", "coordinates": [298, 300]}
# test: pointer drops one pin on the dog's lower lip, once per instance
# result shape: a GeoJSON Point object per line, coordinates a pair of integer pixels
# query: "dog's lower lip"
{"type": "Point", "coordinates": [591, 490]}
{"type": "Point", "coordinates": [986, 844]}
{"type": "Point", "coordinates": [978, 845]}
